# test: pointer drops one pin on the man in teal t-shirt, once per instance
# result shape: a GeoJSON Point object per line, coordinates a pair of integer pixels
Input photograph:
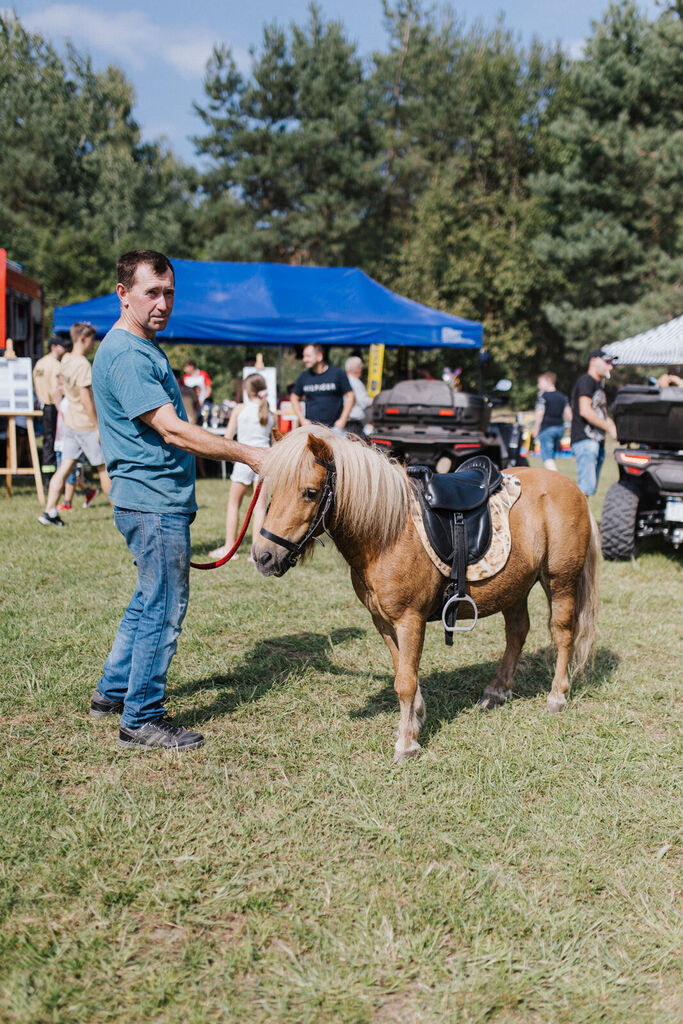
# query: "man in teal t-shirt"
{"type": "Point", "coordinates": [149, 448]}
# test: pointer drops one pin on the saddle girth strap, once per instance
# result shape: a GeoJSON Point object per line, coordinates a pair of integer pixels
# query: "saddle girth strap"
{"type": "Point", "coordinates": [456, 586]}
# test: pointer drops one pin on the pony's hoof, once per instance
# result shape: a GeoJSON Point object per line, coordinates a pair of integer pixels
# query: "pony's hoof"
{"type": "Point", "coordinates": [493, 698]}
{"type": "Point", "coordinates": [554, 706]}
{"type": "Point", "coordinates": [402, 755]}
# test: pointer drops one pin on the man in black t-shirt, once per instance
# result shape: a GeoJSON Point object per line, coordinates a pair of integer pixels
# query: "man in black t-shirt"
{"type": "Point", "coordinates": [590, 421]}
{"type": "Point", "coordinates": [552, 409]}
{"type": "Point", "coordinates": [325, 389]}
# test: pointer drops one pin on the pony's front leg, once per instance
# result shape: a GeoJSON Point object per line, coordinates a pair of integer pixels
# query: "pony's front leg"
{"type": "Point", "coordinates": [410, 632]}
{"type": "Point", "coordinates": [389, 636]}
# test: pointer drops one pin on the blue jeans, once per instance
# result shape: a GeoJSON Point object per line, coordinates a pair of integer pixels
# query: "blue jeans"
{"type": "Point", "coordinates": [589, 458]}
{"type": "Point", "coordinates": [145, 643]}
{"type": "Point", "coordinates": [549, 441]}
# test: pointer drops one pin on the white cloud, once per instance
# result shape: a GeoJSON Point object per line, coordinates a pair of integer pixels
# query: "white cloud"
{"type": "Point", "coordinates": [190, 57]}
{"type": "Point", "coordinates": [121, 35]}
{"type": "Point", "coordinates": [130, 37]}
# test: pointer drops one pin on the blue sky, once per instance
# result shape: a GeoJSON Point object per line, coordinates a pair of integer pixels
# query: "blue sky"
{"type": "Point", "coordinates": [163, 48]}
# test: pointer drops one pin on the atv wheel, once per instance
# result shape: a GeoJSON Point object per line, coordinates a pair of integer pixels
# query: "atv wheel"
{"type": "Point", "coordinates": [618, 523]}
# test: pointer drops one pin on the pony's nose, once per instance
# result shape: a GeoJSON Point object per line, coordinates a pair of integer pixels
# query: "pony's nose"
{"type": "Point", "coordinates": [262, 559]}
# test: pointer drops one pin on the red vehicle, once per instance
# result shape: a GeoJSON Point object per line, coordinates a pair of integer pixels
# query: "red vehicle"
{"type": "Point", "coordinates": [21, 310]}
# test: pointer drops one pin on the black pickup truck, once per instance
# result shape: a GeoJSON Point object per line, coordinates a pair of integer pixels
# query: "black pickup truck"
{"type": "Point", "coordinates": [426, 422]}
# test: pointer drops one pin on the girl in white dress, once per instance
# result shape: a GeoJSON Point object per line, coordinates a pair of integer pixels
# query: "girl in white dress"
{"type": "Point", "coordinates": [252, 422]}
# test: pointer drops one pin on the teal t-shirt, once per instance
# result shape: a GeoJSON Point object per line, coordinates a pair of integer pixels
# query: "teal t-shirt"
{"type": "Point", "coordinates": [131, 376]}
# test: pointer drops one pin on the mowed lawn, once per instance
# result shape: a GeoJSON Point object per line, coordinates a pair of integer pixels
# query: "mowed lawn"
{"type": "Point", "coordinates": [525, 869]}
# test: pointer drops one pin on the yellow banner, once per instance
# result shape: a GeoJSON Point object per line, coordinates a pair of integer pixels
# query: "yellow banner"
{"type": "Point", "coordinates": [375, 367]}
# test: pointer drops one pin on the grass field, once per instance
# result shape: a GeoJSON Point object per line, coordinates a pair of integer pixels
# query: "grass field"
{"type": "Point", "coordinates": [525, 869]}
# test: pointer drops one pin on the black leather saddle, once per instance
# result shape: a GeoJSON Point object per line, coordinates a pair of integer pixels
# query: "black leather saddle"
{"type": "Point", "coordinates": [457, 521]}
{"type": "Point", "coordinates": [467, 491]}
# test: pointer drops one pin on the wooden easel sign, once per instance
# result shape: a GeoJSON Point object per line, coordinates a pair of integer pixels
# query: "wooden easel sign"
{"type": "Point", "coordinates": [16, 399]}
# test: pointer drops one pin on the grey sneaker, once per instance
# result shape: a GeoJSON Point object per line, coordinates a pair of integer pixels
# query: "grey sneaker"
{"type": "Point", "coordinates": [163, 732]}
{"type": "Point", "coordinates": [53, 520]}
{"type": "Point", "coordinates": [101, 707]}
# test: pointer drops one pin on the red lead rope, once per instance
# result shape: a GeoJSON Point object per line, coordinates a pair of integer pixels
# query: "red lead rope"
{"type": "Point", "coordinates": [233, 549]}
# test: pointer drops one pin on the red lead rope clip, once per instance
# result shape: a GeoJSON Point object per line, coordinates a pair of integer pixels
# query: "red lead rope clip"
{"type": "Point", "coordinates": [233, 549]}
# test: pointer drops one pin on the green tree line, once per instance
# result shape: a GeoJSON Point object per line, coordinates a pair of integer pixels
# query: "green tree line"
{"type": "Point", "coordinates": [492, 179]}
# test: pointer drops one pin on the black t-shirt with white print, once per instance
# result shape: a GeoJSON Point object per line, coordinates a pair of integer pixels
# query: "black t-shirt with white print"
{"type": "Point", "coordinates": [323, 394]}
{"type": "Point", "coordinates": [593, 389]}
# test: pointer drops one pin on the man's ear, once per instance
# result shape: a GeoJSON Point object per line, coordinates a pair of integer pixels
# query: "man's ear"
{"type": "Point", "coordinates": [275, 435]}
{"type": "Point", "coordinates": [321, 450]}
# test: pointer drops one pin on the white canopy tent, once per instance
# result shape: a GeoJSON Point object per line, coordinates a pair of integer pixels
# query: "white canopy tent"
{"type": "Point", "coordinates": [661, 346]}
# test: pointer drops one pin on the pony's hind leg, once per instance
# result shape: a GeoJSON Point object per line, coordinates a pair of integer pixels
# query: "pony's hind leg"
{"type": "Point", "coordinates": [562, 626]}
{"type": "Point", "coordinates": [516, 629]}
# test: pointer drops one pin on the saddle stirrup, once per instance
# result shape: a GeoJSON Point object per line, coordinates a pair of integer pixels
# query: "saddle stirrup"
{"type": "Point", "coordinates": [455, 593]}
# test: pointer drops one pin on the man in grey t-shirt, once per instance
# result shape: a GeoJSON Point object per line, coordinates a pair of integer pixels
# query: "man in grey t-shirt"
{"type": "Point", "coordinates": [148, 447]}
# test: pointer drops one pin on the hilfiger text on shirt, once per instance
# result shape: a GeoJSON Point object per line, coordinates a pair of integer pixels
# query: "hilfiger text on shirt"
{"type": "Point", "coordinates": [326, 386]}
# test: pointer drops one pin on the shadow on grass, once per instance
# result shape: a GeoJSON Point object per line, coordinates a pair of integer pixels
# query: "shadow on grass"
{"type": "Point", "coordinates": [657, 546]}
{"type": "Point", "coordinates": [449, 694]}
{"type": "Point", "coordinates": [265, 667]}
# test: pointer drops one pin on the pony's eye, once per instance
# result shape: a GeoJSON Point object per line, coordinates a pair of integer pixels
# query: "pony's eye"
{"type": "Point", "coordinates": [310, 493]}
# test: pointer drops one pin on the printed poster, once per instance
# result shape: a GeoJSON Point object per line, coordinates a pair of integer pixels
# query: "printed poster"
{"type": "Point", "coordinates": [16, 386]}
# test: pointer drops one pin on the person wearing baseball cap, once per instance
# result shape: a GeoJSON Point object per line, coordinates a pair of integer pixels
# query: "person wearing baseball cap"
{"type": "Point", "coordinates": [48, 389]}
{"type": "Point", "coordinates": [590, 422]}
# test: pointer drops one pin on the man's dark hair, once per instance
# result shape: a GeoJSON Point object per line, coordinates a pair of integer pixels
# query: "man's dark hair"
{"type": "Point", "coordinates": [127, 265]}
{"type": "Point", "coordinates": [190, 362]}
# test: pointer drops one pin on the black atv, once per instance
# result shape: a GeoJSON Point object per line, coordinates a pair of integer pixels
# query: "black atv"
{"type": "Point", "coordinates": [647, 500]}
{"type": "Point", "coordinates": [427, 423]}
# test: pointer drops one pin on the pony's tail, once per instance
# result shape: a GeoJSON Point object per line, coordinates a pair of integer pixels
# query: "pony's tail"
{"type": "Point", "coordinates": [587, 603]}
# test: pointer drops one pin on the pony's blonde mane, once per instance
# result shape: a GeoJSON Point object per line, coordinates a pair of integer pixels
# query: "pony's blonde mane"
{"type": "Point", "coordinates": [372, 493]}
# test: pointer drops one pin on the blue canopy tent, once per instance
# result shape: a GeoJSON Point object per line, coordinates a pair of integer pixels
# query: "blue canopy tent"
{"type": "Point", "coordinates": [275, 304]}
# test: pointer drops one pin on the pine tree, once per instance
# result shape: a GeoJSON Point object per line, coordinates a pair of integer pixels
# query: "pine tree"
{"type": "Point", "coordinates": [291, 146]}
{"type": "Point", "coordinates": [613, 187]}
{"type": "Point", "coordinates": [77, 185]}
{"type": "Point", "coordinates": [467, 130]}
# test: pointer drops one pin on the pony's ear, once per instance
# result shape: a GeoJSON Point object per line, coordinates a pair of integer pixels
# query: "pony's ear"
{"type": "Point", "coordinates": [321, 450]}
{"type": "Point", "coordinates": [275, 435]}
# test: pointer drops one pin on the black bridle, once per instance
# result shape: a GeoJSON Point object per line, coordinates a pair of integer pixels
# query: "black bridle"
{"type": "Point", "coordinates": [325, 505]}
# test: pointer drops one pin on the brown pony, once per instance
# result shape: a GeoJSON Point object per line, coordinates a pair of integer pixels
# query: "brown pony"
{"type": "Point", "coordinates": [554, 541]}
